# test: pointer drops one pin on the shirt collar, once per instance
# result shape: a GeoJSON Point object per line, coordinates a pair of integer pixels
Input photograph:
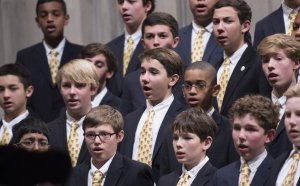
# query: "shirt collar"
{"type": "Point", "coordinates": [196, 27]}
{"type": "Point", "coordinates": [59, 48]}
{"type": "Point", "coordinates": [104, 167]}
{"type": "Point", "coordinates": [255, 162]}
{"type": "Point", "coordinates": [15, 120]}
{"type": "Point", "coordinates": [167, 102]}
{"type": "Point", "coordinates": [70, 120]}
{"type": "Point", "coordinates": [194, 171]}
{"type": "Point", "coordinates": [98, 98]}
{"type": "Point", "coordinates": [281, 100]}
{"type": "Point", "coordinates": [234, 59]}
{"type": "Point", "coordinates": [210, 113]}
{"type": "Point", "coordinates": [287, 10]}
{"type": "Point", "coordinates": [135, 36]}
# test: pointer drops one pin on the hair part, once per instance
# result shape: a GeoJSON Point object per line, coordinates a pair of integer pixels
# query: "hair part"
{"type": "Point", "coordinates": [79, 71]}
{"type": "Point", "coordinates": [271, 44]}
{"type": "Point", "coordinates": [161, 18]}
{"type": "Point", "coordinates": [93, 49]}
{"type": "Point", "coordinates": [168, 58]}
{"type": "Point", "coordinates": [195, 120]}
{"type": "Point", "coordinates": [104, 115]}
{"type": "Point", "coordinates": [261, 108]}
{"type": "Point", "coordinates": [17, 70]}
{"type": "Point", "coordinates": [40, 2]}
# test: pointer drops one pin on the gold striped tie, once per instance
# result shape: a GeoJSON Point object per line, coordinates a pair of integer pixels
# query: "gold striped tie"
{"type": "Point", "coordinates": [53, 65]}
{"type": "Point", "coordinates": [289, 179]}
{"type": "Point", "coordinates": [73, 143]}
{"type": "Point", "coordinates": [292, 18]}
{"type": "Point", "coordinates": [127, 54]}
{"type": "Point", "coordinates": [198, 48]}
{"type": "Point", "coordinates": [5, 137]}
{"type": "Point", "coordinates": [184, 179]}
{"type": "Point", "coordinates": [97, 178]}
{"type": "Point", "coordinates": [145, 141]}
{"type": "Point", "coordinates": [245, 175]}
{"type": "Point", "coordinates": [224, 78]}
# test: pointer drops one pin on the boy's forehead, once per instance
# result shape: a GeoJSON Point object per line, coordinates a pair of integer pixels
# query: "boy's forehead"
{"type": "Point", "coordinates": [225, 12]}
{"type": "Point", "coordinates": [99, 127]}
{"type": "Point", "coordinates": [197, 75]}
{"type": "Point", "coordinates": [52, 5]}
{"type": "Point", "coordinates": [10, 79]}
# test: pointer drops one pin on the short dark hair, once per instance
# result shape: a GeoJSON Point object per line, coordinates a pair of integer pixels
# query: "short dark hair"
{"type": "Point", "coordinates": [169, 59]}
{"type": "Point", "coordinates": [261, 108]}
{"type": "Point", "coordinates": [144, 4]}
{"type": "Point", "coordinates": [241, 6]}
{"type": "Point", "coordinates": [62, 2]}
{"type": "Point", "coordinates": [93, 49]}
{"type": "Point", "coordinates": [104, 115]}
{"type": "Point", "coordinates": [204, 66]}
{"type": "Point", "coordinates": [30, 125]}
{"type": "Point", "coordinates": [17, 70]}
{"type": "Point", "coordinates": [195, 120]}
{"type": "Point", "coordinates": [161, 18]}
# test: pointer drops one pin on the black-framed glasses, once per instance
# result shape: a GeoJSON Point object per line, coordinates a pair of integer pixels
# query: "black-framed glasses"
{"type": "Point", "coordinates": [30, 144]}
{"type": "Point", "coordinates": [198, 85]}
{"type": "Point", "coordinates": [104, 136]}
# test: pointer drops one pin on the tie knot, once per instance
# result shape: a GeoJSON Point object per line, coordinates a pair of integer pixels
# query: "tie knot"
{"type": "Point", "coordinates": [201, 32]}
{"type": "Point", "coordinates": [296, 155]}
{"type": "Point", "coordinates": [245, 169]}
{"type": "Point", "coordinates": [227, 61]}
{"type": "Point", "coordinates": [75, 125]}
{"type": "Point", "coordinates": [97, 177]}
{"type": "Point", "coordinates": [54, 52]}
{"type": "Point", "coordinates": [292, 15]}
{"type": "Point", "coordinates": [130, 41]}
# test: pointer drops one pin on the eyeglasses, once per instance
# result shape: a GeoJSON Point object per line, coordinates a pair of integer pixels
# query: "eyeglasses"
{"type": "Point", "coordinates": [198, 85]}
{"type": "Point", "coordinates": [30, 144]}
{"type": "Point", "coordinates": [104, 136]}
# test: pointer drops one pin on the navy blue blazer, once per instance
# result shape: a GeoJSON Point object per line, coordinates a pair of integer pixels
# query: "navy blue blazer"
{"type": "Point", "coordinates": [277, 165]}
{"type": "Point", "coordinates": [221, 153]}
{"type": "Point", "coordinates": [204, 177]}
{"type": "Point", "coordinates": [121, 172]}
{"type": "Point", "coordinates": [46, 100]}
{"type": "Point", "coordinates": [281, 142]}
{"type": "Point", "coordinates": [271, 24]}
{"type": "Point", "coordinates": [212, 53]}
{"type": "Point", "coordinates": [130, 126]}
{"type": "Point", "coordinates": [133, 96]}
{"type": "Point", "coordinates": [59, 141]}
{"type": "Point", "coordinates": [115, 84]}
{"type": "Point", "coordinates": [229, 175]}
{"type": "Point", "coordinates": [246, 78]}
{"type": "Point", "coordinates": [111, 100]}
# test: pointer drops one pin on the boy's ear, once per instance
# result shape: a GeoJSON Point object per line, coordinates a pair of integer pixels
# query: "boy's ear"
{"type": "Point", "coordinates": [215, 90]}
{"type": "Point", "coordinates": [270, 136]}
{"type": "Point", "coordinates": [109, 75]}
{"type": "Point", "coordinates": [246, 26]}
{"type": "Point", "coordinates": [120, 136]}
{"type": "Point", "coordinates": [176, 41]}
{"type": "Point", "coordinates": [207, 143]}
{"type": "Point", "coordinates": [67, 18]}
{"type": "Point", "coordinates": [173, 80]}
{"type": "Point", "coordinates": [37, 22]}
{"type": "Point", "coordinates": [29, 91]}
{"type": "Point", "coordinates": [296, 66]}
{"type": "Point", "coordinates": [148, 6]}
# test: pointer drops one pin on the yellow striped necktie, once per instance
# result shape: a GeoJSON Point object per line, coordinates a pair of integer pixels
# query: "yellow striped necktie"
{"type": "Point", "coordinates": [292, 17]}
{"type": "Point", "coordinates": [224, 78]}
{"type": "Point", "coordinates": [127, 54]}
{"type": "Point", "coordinates": [73, 143]}
{"type": "Point", "coordinates": [5, 137]}
{"type": "Point", "coordinates": [198, 48]}
{"type": "Point", "coordinates": [184, 180]}
{"type": "Point", "coordinates": [53, 65]}
{"type": "Point", "coordinates": [245, 175]}
{"type": "Point", "coordinates": [290, 177]}
{"type": "Point", "coordinates": [145, 140]}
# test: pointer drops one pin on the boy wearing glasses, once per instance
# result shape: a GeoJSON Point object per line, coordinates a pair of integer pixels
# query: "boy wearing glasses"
{"type": "Point", "coordinates": [103, 131]}
{"type": "Point", "coordinates": [200, 89]}
{"type": "Point", "coordinates": [32, 134]}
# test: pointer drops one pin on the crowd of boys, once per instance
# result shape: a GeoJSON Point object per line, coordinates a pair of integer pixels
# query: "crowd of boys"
{"type": "Point", "coordinates": [157, 105]}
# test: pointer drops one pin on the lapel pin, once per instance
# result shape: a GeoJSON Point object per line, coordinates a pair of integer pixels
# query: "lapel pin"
{"type": "Point", "coordinates": [242, 68]}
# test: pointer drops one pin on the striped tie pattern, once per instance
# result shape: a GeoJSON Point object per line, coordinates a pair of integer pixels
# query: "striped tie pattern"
{"type": "Point", "coordinates": [198, 48]}
{"type": "Point", "coordinates": [292, 17]}
{"type": "Point", "coordinates": [73, 143]}
{"type": "Point", "coordinates": [145, 141]}
{"type": "Point", "coordinates": [289, 179]}
{"type": "Point", "coordinates": [184, 179]}
{"type": "Point", "coordinates": [127, 54]}
{"type": "Point", "coordinates": [224, 78]}
{"type": "Point", "coordinates": [245, 175]}
{"type": "Point", "coordinates": [97, 178]}
{"type": "Point", "coordinates": [5, 137]}
{"type": "Point", "coordinates": [53, 65]}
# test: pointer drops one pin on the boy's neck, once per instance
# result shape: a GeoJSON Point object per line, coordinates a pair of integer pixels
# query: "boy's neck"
{"type": "Point", "coordinates": [53, 43]}
{"type": "Point", "coordinates": [203, 22]}
{"type": "Point", "coordinates": [8, 117]}
{"type": "Point", "coordinates": [279, 91]}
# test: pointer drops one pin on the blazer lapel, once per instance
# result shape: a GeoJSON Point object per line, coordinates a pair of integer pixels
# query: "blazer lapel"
{"type": "Point", "coordinates": [277, 22]}
{"type": "Point", "coordinates": [202, 176]}
{"type": "Point", "coordinates": [114, 171]}
{"type": "Point", "coordinates": [134, 63]}
{"type": "Point", "coordinates": [263, 171]}
{"type": "Point", "coordinates": [210, 47]}
{"type": "Point", "coordinates": [280, 127]}
{"type": "Point", "coordinates": [184, 46]}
